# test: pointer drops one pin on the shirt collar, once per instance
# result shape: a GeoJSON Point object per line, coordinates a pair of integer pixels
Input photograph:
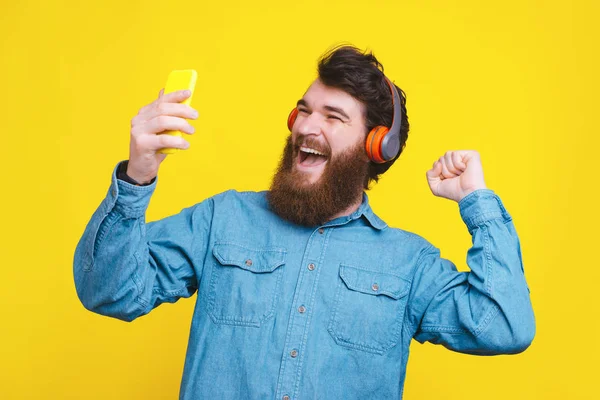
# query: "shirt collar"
{"type": "Point", "coordinates": [366, 210]}
{"type": "Point", "coordinates": [363, 210]}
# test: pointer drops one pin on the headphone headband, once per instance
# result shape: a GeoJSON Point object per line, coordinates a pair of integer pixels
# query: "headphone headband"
{"type": "Point", "coordinates": [390, 146]}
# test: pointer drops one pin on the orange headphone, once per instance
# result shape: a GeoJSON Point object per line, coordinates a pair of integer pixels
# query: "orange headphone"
{"type": "Point", "coordinates": [383, 143]}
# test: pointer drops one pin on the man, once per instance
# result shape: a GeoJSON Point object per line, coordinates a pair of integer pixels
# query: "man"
{"type": "Point", "coordinates": [303, 292]}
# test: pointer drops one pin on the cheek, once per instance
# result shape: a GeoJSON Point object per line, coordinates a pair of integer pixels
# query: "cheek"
{"type": "Point", "coordinates": [345, 141]}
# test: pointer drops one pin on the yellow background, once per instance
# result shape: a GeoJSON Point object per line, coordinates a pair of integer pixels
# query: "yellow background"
{"type": "Point", "coordinates": [516, 80]}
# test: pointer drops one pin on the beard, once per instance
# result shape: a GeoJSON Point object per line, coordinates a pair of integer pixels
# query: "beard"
{"type": "Point", "coordinates": [340, 185]}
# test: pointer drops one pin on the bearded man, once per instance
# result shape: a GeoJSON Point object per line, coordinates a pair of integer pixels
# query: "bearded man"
{"type": "Point", "coordinates": [303, 291]}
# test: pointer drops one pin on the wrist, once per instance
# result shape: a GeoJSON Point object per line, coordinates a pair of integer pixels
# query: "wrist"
{"type": "Point", "coordinates": [140, 180]}
{"type": "Point", "coordinates": [467, 192]}
{"type": "Point", "coordinates": [124, 173]}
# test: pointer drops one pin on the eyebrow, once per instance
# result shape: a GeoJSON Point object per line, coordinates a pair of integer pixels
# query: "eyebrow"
{"type": "Point", "coordinates": [338, 110]}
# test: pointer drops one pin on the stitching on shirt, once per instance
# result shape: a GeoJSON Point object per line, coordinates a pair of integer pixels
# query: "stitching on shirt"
{"type": "Point", "coordinates": [382, 291]}
{"type": "Point", "coordinates": [268, 250]}
{"type": "Point", "coordinates": [309, 316]}
{"type": "Point", "coordinates": [486, 320]}
{"type": "Point", "coordinates": [139, 284]}
{"type": "Point", "coordinates": [417, 264]}
{"type": "Point", "coordinates": [206, 240]}
{"type": "Point", "coordinates": [130, 212]}
{"type": "Point", "coordinates": [377, 272]}
{"type": "Point", "coordinates": [141, 302]}
{"type": "Point", "coordinates": [91, 239]}
{"type": "Point", "coordinates": [111, 219]}
{"type": "Point", "coordinates": [482, 218]}
{"type": "Point", "coordinates": [173, 292]}
{"type": "Point", "coordinates": [362, 347]}
{"type": "Point", "coordinates": [488, 259]}
{"type": "Point", "coordinates": [406, 325]}
{"type": "Point", "coordinates": [284, 361]}
{"type": "Point", "coordinates": [444, 328]}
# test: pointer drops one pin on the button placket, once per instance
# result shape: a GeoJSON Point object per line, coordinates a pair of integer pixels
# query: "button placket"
{"type": "Point", "coordinates": [299, 318]}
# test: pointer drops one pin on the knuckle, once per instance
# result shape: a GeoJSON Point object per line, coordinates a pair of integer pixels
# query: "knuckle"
{"type": "Point", "coordinates": [162, 140]}
{"type": "Point", "coordinates": [135, 121]}
{"type": "Point", "coordinates": [139, 145]}
{"type": "Point", "coordinates": [143, 109]}
{"type": "Point", "coordinates": [162, 108]}
{"type": "Point", "coordinates": [161, 121]}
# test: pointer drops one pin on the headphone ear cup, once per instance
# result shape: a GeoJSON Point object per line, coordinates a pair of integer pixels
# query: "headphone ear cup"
{"type": "Point", "coordinates": [373, 143]}
{"type": "Point", "coordinates": [292, 118]}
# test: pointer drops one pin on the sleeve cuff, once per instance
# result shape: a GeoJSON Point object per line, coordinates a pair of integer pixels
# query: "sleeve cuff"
{"type": "Point", "coordinates": [131, 200]}
{"type": "Point", "coordinates": [481, 206]}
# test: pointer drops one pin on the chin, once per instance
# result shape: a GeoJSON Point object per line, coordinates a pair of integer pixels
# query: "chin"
{"type": "Point", "coordinates": [309, 176]}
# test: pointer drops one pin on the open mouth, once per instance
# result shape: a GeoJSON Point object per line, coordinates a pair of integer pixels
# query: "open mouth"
{"type": "Point", "coordinates": [308, 157]}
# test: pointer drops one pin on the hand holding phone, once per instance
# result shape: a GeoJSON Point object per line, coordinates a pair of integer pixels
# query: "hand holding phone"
{"type": "Point", "coordinates": [157, 127]}
{"type": "Point", "coordinates": [184, 79]}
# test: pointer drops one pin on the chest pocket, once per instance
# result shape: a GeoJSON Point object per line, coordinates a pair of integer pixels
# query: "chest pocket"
{"type": "Point", "coordinates": [244, 284]}
{"type": "Point", "coordinates": [368, 309]}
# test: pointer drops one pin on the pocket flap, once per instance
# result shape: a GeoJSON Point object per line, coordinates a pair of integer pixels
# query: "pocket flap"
{"type": "Point", "coordinates": [374, 283]}
{"type": "Point", "coordinates": [255, 260]}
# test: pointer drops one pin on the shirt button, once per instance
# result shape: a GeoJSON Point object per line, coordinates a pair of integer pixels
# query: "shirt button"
{"type": "Point", "coordinates": [286, 397]}
{"type": "Point", "coordinates": [301, 309]}
{"type": "Point", "coordinates": [311, 266]}
{"type": "Point", "coordinates": [294, 353]}
{"type": "Point", "coordinates": [114, 192]}
{"type": "Point", "coordinates": [249, 262]}
{"type": "Point", "coordinates": [375, 287]}
{"type": "Point", "coordinates": [321, 230]}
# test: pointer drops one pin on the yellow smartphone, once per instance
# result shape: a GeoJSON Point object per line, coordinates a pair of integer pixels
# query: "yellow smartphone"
{"type": "Point", "coordinates": [180, 79]}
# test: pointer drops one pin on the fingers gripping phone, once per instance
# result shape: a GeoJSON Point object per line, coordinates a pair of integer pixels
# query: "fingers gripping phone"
{"type": "Point", "coordinates": [179, 80]}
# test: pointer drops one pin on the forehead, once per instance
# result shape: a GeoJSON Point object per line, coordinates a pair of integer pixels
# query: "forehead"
{"type": "Point", "coordinates": [319, 95]}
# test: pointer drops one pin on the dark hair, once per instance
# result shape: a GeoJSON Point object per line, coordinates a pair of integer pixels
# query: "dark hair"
{"type": "Point", "coordinates": [361, 76]}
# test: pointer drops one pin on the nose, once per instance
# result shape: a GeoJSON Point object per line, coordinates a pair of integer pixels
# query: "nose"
{"type": "Point", "coordinates": [309, 124]}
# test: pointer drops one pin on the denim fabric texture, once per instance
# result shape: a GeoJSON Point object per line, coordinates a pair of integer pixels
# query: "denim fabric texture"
{"type": "Point", "coordinates": [309, 313]}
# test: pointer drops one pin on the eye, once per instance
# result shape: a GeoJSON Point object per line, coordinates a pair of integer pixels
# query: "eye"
{"type": "Point", "coordinates": [334, 117]}
{"type": "Point", "coordinates": [302, 110]}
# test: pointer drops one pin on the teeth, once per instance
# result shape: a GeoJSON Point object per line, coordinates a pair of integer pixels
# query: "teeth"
{"type": "Point", "coordinates": [309, 150]}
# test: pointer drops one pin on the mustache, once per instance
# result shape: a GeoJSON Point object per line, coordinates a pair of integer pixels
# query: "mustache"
{"type": "Point", "coordinates": [313, 143]}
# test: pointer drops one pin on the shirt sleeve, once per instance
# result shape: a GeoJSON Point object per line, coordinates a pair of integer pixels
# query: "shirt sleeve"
{"type": "Point", "coordinates": [124, 267]}
{"type": "Point", "coordinates": [487, 310]}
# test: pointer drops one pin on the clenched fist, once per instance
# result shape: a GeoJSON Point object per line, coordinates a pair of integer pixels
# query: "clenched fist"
{"type": "Point", "coordinates": [456, 174]}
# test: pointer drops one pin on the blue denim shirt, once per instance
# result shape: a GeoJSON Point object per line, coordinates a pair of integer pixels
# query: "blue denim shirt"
{"type": "Point", "coordinates": [284, 311]}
